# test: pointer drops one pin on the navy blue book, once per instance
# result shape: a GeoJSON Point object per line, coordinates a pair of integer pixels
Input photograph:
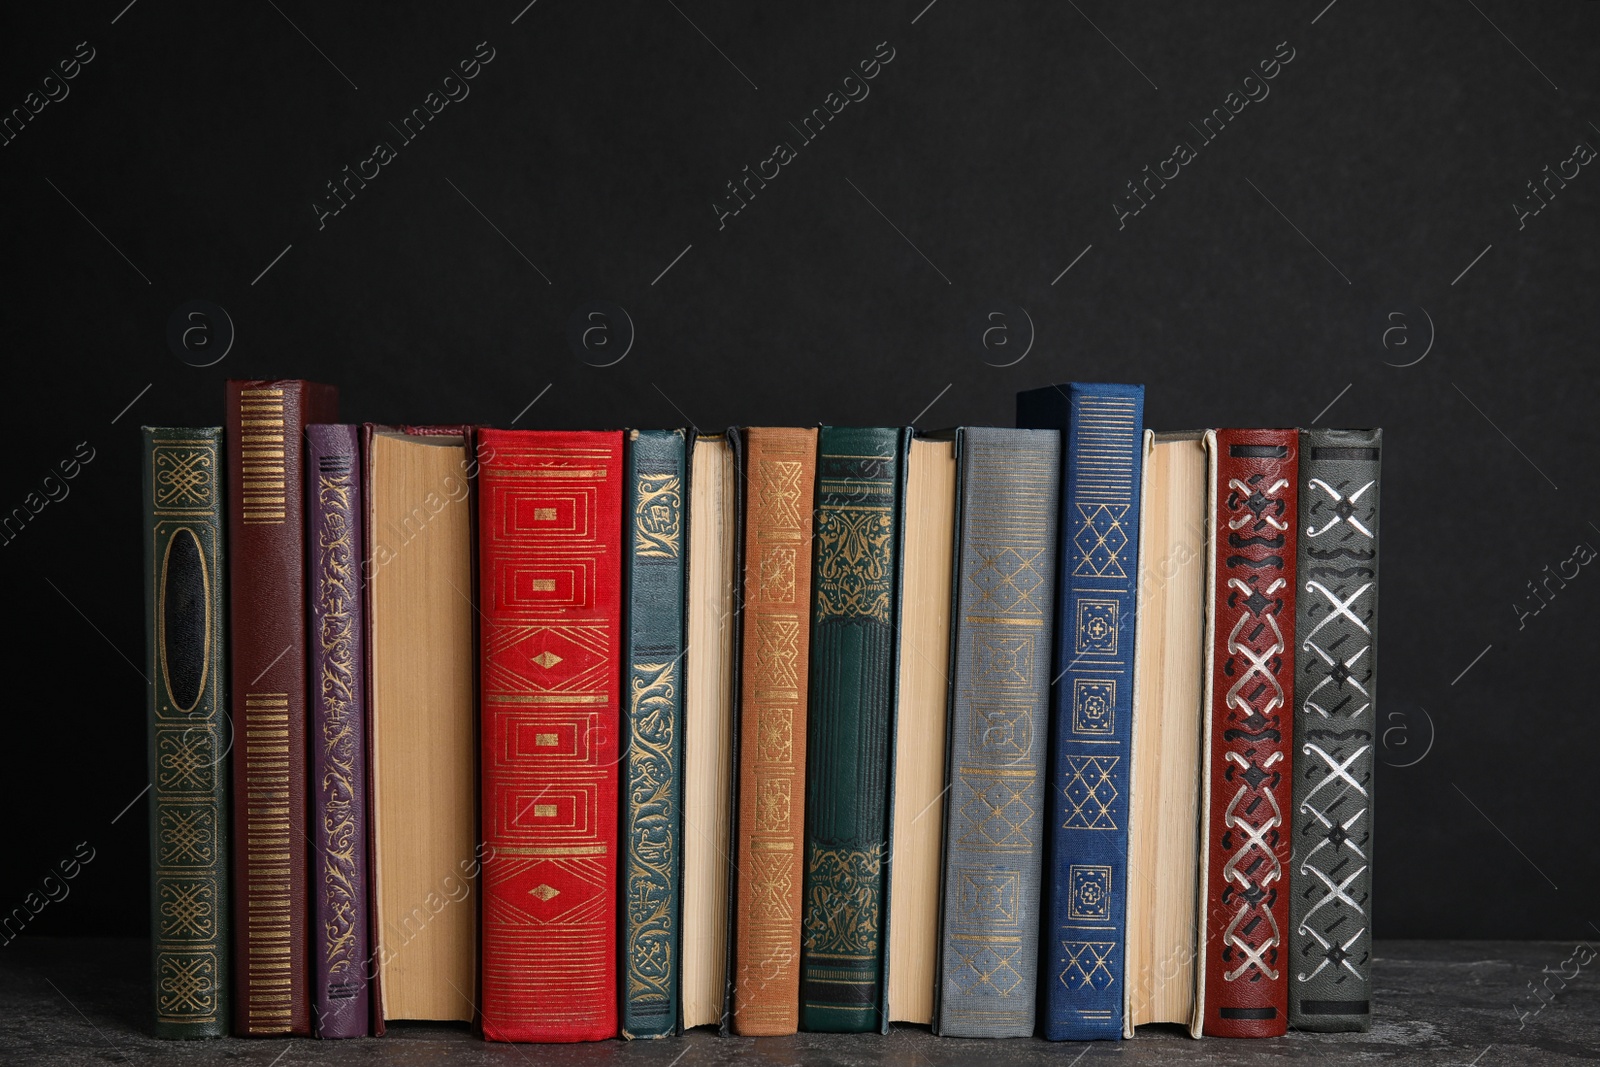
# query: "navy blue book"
{"type": "Point", "coordinates": [1084, 939]}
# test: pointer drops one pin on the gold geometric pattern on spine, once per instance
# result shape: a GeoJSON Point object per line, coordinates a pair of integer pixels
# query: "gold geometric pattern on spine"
{"type": "Point", "coordinates": [261, 451]}
{"type": "Point", "coordinates": [268, 842]}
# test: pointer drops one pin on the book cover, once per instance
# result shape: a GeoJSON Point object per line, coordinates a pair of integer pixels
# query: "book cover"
{"type": "Point", "coordinates": [1249, 729]}
{"type": "Point", "coordinates": [1009, 501]}
{"type": "Point", "coordinates": [422, 741]}
{"type": "Point", "coordinates": [189, 740]}
{"type": "Point", "coordinates": [341, 916]}
{"type": "Point", "coordinates": [267, 612]}
{"type": "Point", "coordinates": [1335, 726]}
{"type": "Point", "coordinates": [778, 466]}
{"type": "Point", "coordinates": [849, 723]}
{"type": "Point", "coordinates": [1091, 704]}
{"type": "Point", "coordinates": [551, 590]}
{"type": "Point", "coordinates": [652, 765]}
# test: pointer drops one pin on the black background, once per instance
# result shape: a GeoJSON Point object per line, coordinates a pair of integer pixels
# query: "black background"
{"type": "Point", "coordinates": [854, 288]}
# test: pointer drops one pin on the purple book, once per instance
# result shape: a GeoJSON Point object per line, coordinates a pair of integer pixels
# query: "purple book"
{"type": "Point", "coordinates": [340, 938]}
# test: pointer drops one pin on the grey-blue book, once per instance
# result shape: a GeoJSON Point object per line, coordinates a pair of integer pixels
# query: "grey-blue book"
{"type": "Point", "coordinates": [652, 723]}
{"type": "Point", "coordinates": [1008, 499]}
{"type": "Point", "coordinates": [1091, 705]}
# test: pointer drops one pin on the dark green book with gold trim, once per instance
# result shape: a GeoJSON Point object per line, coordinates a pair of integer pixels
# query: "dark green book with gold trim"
{"type": "Point", "coordinates": [860, 475]}
{"type": "Point", "coordinates": [652, 723]}
{"type": "Point", "coordinates": [188, 730]}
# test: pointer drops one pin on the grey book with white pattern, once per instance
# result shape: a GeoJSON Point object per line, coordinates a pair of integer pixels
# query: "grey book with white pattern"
{"type": "Point", "coordinates": [1335, 731]}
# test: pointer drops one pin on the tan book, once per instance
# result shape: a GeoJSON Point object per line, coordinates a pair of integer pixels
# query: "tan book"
{"type": "Point", "coordinates": [779, 467]}
{"type": "Point", "coordinates": [1164, 843]}
{"type": "Point", "coordinates": [422, 662]}
{"type": "Point", "coordinates": [708, 730]}
{"type": "Point", "coordinates": [927, 567]}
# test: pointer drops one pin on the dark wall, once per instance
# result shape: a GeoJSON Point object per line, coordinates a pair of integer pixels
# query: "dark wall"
{"type": "Point", "coordinates": [1348, 250]}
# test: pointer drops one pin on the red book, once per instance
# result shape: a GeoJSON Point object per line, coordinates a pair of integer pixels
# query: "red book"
{"type": "Point", "coordinates": [550, 536]}
{"type": "Point", "coordinates": [1249, 719]}
{"type": "Point", "coordinates": [267, 601]}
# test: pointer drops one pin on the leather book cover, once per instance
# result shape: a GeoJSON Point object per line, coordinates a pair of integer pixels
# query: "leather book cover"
{"type": "Point", "coordinates": [1091, 704]}
{"type": "Point", "coordinates": [779, 470]}
{"type": "Point", "coordinates": [1249, 731]}
{"type": "Point", "coordinates": [1008, 507]}
{"type": "Point", "coordinates": [550, 558]}
{"type": "Point", "coordinates": [849, 721]}
{"type": "Point", "coordinates": [340, 914]}
{"type": "Point", "coordinates": [1335, 731]}
{"type": "Point", "coordinates": [189, 740]}
{"type": "Point", "coordinates": [652, 766]}
{"type": "Point", "coordinates": [267, 610]}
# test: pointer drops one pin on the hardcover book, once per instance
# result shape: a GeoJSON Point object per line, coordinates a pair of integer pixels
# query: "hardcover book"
{"type": "Point", "coordinates": [341, 916]}
{"type": "Point", "coordinates": [778, 467]}
{"type": "Point", "coordinates": [708, 729]}
{"type": "Point", "coordinates": [1091, 703]}
{"type": "Point", "coordinates": [653, 730]}
{"type": "Point", "coordinates": [1335, 728]}
{"type": "Point", "coordinates": [849, 723]}
{"type": "Point", "coordinates": [1009, 500]}
{"type": "Point", "coordinates": [185, 632]}
{"type": "Point", "coordinates": [1168, 703]}
{"type": "Point", "coordinates": [422, 669]}
{"type": "Point", "coordinates": [927, 562]}
{"type": "Point", "coordinates": [1249, 729]}
{"type": "Point", "coordinates": [551, 566]}
{"type": "Point", "coordinates": [267, 610]}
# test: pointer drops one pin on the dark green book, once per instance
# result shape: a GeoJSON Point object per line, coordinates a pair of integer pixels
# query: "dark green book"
{"type": "Point", "coordinates": [652, 814]}
{"type": "Point", "coordinates": [859, 489]}
{"type": "Point", "coordinates": [187, 726]}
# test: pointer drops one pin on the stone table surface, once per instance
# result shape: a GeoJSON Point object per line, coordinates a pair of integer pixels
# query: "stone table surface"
{"type": "Point", "coordinates": [83, 1001]}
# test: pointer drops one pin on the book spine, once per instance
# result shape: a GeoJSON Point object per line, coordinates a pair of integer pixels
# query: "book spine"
{"type": "Point", "coordinates": [185, 634]}
{"type": "Point", "coordinates": [551, 576]}
{"type": "Point", "coordinates": [1254, 490]}
{"type": "Point", "coordinates": [851, 707]}
{"type": "Point", "coordinates": [267, 609]}
{"type": "Point", "coordinates": [653, 760]}
{"type": "Point", "coordinates": [1091, 700]}
{"type": "Point", "coordinates": [780, 471]}
{"type": "Point", "coordinates": [1335, 727]}
{"type": "Point", "coordinates": [340, 936]}
{"type": "Point", "coordinates": [1000, 697]}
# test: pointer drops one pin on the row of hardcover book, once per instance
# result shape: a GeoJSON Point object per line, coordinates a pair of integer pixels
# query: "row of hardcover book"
{"type": "Point", "coordinates": [569, 735]}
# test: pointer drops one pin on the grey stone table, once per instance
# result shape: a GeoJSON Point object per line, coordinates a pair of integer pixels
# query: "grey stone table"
{"type": "Point", "coordinates": [84, 1000]}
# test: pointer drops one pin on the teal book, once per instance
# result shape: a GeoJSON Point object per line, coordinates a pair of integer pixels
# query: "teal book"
{"type": "Point", "coordinates": [1008, 500]}
{"type": "Point", "coordinates": [652, 723]}
{"type": "Point", "coordinates": [860, 476]}
{"type": "Point", "coordinates": [1091, 704]}
{"type": "Point", "coordinates": [188, 729]}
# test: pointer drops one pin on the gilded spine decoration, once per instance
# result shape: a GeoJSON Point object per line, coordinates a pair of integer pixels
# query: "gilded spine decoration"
{"type": "Point", "coordinates": [652, 833]}
{"type": "Point", "coordinates": [339, 935]}
{"type": "Point", "coordinates": [850, 725]}
{"type": "Point", "coordinates": [188, 743]}
{"type": "Point", "coordinates": [653, 714]}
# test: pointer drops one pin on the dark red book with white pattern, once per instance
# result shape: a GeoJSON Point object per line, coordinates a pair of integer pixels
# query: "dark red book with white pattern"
{"type": "Point", "coordinates": [1249, 721]}
{"type": "Point", "coordinates": [550, 538]}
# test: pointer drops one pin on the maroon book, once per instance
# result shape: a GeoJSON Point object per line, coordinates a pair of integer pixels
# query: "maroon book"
{"type": "Point", "coordinates": [1250, 719]}
{"type": "Point", "coordinates": [267, 613]}
{"type": "Point", "coordinates": [340, 912]}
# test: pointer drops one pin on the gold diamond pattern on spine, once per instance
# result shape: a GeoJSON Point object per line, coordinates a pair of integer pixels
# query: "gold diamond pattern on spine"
{"type": "Point", "coordinates": [268, 841]}
{"type": "Point", "coordinates": [261, 450]}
